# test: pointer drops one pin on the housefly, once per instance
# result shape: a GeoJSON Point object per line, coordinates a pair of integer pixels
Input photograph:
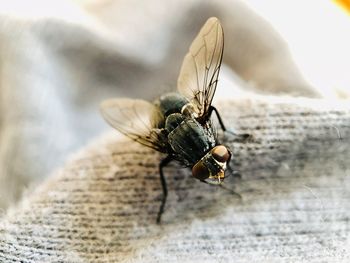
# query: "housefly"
{"type": "Point", "coordinates": [179, 123]}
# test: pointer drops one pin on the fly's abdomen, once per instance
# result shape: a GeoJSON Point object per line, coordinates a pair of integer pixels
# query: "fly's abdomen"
{"type": "Point", "coordinates": [171, 103]}
{"type": "Point", "coordinates": [191, 141]}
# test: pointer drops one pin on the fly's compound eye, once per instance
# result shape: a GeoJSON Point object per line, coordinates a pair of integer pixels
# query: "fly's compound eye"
{"type": "Point", "coordinates": [200, 171]}
{"type": "Point", "coordinates": [221, 154]}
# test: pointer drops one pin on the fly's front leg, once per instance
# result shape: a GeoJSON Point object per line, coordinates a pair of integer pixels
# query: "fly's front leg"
{"type": "Point", "coordinates": [238, 137]}
{"type": "Point", "coordinates": [162, 164]}
{"type": "Point", "coordinates": [234, 173]}
{"type": "Point", "coordinates": [225, 188]}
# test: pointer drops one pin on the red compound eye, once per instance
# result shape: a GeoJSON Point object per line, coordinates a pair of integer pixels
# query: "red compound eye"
{"type": "Point", "coordinates": [221, 154]}
{"type": "Point", "coordinates": [200, 171]}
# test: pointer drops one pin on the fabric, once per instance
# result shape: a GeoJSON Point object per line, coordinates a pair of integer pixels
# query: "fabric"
{"type": "Point", "coordinates": [59, 61]}
{"type": "Point", "coordinates": [102, 206]}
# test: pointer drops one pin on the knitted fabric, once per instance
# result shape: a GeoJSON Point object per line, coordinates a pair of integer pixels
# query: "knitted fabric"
{"type": "Point", "coordinates": [102, 205]}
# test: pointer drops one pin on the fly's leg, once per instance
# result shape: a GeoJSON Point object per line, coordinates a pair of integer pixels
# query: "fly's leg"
{"type": "Point", "coordinates": [234, 173]}
{"type": "Point", "coordinates": [231, 191]}
{"type": "Point", "coordinates": [225, 188]}
{"type": "Point", "coordinates": [211, 109]}
{"type": "Point", "coordinates": [162, 164]}
{"type": "Point", "coordinates": [238, 137]}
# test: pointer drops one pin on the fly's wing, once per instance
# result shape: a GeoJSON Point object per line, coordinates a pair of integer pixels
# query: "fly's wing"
{"type": "Point", "coordinates": [200, 69]}
{"type": "Point", "coordinates": [136, 119]}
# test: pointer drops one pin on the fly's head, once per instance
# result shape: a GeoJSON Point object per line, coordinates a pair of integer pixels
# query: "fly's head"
{"type": "Point", "coordinates": [211, 168]}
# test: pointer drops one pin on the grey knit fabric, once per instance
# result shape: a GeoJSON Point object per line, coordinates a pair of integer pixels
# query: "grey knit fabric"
{"type": "Point", "coordinates": [102, 206]}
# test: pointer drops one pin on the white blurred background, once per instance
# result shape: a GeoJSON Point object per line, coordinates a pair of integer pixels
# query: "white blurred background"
{"type": "Point", "coordinates": [317, 32]}
{"type": "Point", "coordinates": [318, 36]}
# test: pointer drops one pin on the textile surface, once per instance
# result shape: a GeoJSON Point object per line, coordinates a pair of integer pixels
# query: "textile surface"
{"type": "Point", "coordinates": [100, 204]}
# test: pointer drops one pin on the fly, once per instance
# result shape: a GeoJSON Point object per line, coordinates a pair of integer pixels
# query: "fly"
{"type": "Point", "coordinates": [179, 124]}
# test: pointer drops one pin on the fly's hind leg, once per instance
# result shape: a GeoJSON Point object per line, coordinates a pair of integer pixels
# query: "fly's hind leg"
{"type": "Point", "coordinates": [237, 137]}
{"type": "Point", "coordinates": [162, 164]}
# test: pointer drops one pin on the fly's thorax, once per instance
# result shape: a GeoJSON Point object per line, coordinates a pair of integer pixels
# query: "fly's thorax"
{"type": "Point", "coordinates": [189, 140]}
{"type": "Point", "coordinates": [173, 121]}
{"type": "Point", "coordinates": [211, 167]}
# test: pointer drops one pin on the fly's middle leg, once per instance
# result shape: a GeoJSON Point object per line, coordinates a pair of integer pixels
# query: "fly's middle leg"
{"type": "Point", "coordinates": [237, 137]}
{"type": "Point", "coordinates": [211, 109]}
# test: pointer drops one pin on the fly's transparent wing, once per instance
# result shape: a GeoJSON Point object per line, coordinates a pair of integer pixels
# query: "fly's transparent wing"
{"type": "Point", "coordinates": [136, 119]}
{"type": "Point", "coordinates": [200, 69]}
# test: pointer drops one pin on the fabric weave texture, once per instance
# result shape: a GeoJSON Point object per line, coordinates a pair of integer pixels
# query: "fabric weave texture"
{"type": "Point", "coordinates": [102, 206]}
